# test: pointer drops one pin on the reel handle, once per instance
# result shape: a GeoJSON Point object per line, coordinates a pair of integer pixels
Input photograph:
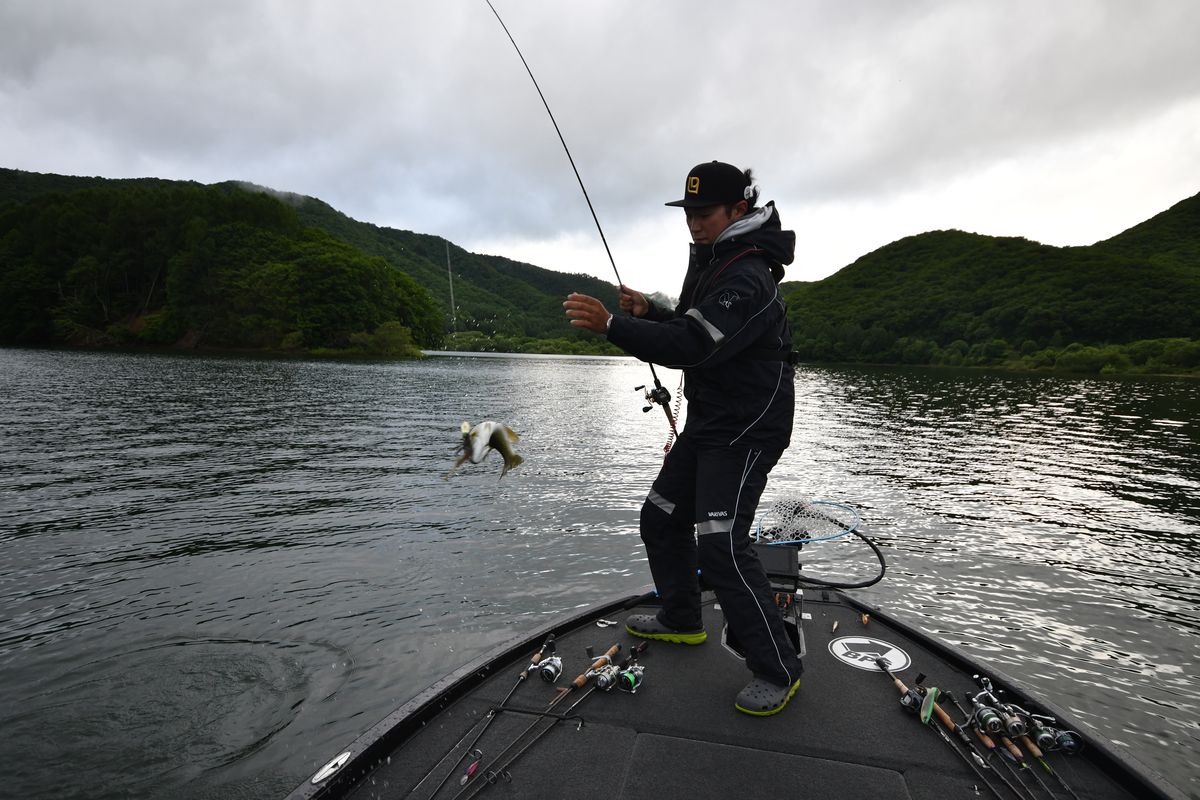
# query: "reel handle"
{"type": "Point", "coordinates": [938, 711]}
{"type": "Point", "coordinates": [607, 658]}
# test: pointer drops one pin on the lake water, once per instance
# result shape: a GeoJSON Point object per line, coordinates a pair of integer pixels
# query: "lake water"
{"type": "Point", "coordinates": [216, 572]}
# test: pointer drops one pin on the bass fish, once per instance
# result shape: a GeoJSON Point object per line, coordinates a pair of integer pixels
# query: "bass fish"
{"type": "Point", "coordinates": [482, 439]}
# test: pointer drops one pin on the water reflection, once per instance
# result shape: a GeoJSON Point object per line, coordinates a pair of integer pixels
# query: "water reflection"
{"type": "Point", "coordinates": [289, 524]}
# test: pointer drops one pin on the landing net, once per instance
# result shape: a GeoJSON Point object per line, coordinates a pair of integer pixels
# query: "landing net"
{"type": "Point", "coordinates": [794, 521]}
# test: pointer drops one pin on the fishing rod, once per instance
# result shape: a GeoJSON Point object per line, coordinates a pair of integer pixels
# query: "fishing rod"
{"type": "Point", "coordinates": [1002, 755]}
{"type": "Point", "coordinates": [992, 716]}
{"type": "Point", "coordinates": [1038, 756]}
{"type": "Point", "coordinates": [1019, 755]}
{"type": "Point", "coordinates": [547, 647]}
{"type": "Point", "coordinates": [495, 769]}
{"type": "Point", "coordinates": [627, 676]}
{"type": "Point", "coordinates": [925, 704]}
{"type": "Point", "coordinates": [1002, 721]}
{"type": "Point", "coordinates": [1017, 723]}
{"type": "Point", "coordinates": [659, 395]}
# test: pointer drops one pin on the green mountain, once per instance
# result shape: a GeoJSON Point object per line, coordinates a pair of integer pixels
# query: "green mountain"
{"type": "Point", "coordinates": [94, 261]}
{"type": "Point", "coordinates": [1172, 236]}
{"type": "Point", "coordinates": [492, 294]}
{"type": "Point", "coordinates": [961, 298]}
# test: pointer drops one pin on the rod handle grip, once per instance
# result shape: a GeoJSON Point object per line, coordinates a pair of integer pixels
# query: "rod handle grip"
{"type": "Point", "coordinates": [942, 716]}
{"type": "Point", "coordinates": [541, 652]}
{"type": "Point", "coordinates": [983, 737]}
{"type": "Point", "coordinates": [1012, 748]}
{"type": "Point", "coordinates": [602, 661]}
{"type": "Point", "coordinates": [1033, 749]}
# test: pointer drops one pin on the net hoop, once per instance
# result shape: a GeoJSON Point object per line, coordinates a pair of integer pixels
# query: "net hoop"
{"type": "Point", "coordinates": [796, 521]}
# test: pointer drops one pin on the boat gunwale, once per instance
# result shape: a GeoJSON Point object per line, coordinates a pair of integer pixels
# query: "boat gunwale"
{"type": "Point", "coordinates": [1123, 767]}
{"type": "Point", "coordinates": [392, 731]}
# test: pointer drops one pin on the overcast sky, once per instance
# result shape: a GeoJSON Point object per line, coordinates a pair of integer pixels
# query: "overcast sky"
{"type": "Point", "coordinates": [1064, 121]}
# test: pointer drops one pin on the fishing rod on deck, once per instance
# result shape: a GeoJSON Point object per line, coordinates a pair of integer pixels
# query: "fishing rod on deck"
{"type": "Point", "coordinates": [498, 768]}
{"type": "Point", "coordinates": [923, 701]}
{"type": "Point", "coordinates": [1012, 723]}
{"type": "Point", "coordinates": [544, 655]}
{"type": "Point", "coordinates": [659, 395]}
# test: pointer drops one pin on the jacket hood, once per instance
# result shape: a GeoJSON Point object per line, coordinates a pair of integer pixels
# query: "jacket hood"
{"type": "Point", "coordinates": [762, 228]}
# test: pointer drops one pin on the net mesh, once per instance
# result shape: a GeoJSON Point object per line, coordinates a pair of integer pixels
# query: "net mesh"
{"type": "Point", "coordinates": [795, 520]}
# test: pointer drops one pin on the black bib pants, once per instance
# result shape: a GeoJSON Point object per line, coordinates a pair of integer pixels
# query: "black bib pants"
{"type": "Point", "coordinates": [698, 515]}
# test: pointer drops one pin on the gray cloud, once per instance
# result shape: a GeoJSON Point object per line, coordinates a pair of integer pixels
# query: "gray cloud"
{"type": "Point", "coordinates": [421, 115]}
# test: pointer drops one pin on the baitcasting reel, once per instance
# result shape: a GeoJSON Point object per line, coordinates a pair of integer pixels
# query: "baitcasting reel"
{"type": "Point", "coordinates": [658, 394]}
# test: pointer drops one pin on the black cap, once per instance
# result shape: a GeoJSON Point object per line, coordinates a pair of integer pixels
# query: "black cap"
{"type": "Point", "coordinates": [713, 184]}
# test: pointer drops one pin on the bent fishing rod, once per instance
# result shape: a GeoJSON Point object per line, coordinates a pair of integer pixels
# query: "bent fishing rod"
{"type": "Point", "coordinates": [659, 395]}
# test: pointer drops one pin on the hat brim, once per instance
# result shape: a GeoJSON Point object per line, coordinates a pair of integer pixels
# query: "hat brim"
{"type": "Point", "coordinates": [694, 202]}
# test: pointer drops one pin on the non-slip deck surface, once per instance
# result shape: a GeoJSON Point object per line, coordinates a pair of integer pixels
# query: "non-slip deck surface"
{"type": "Point", "coordinates": [844, 734]}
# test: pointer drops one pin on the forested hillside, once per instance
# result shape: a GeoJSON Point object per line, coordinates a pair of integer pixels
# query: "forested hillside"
{"type": "Point", "coordinates": [99, 262]}
{"type": "Point", "coordinates": [492, 294]}
{"type": "Point", "coordinates": [949, 297]}
{"type": "Point", "coordinates": [181, 264]}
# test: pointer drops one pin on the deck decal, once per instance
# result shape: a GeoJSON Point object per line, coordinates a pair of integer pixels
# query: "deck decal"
{"type": "Point", "coordinates": [861, 652]}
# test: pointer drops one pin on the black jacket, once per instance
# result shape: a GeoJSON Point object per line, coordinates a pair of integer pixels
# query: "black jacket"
{"type": "Point", "coordinates": [730, 336]}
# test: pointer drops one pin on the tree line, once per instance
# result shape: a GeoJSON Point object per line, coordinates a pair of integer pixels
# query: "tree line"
{"type": "Point", "coordinates": [188, 265]}
{"type": "Point", "coordinates": [1131, 303]}
{"type": "Point", "coordinates": [149, 262]}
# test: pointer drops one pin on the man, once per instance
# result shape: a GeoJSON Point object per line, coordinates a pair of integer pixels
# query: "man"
{"type": "Point", "coordinates": [730, 336]}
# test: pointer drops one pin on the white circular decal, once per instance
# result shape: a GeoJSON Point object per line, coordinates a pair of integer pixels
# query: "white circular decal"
{"type": "Point", "coordinates": [861, 652]}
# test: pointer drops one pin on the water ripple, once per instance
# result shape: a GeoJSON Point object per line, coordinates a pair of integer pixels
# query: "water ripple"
{"type": "Point", "coordinates": [246, 563]}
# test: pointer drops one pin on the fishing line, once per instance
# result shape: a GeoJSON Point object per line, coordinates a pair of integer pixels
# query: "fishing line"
{"type": "Point", "coordinates": [566, 150]}
{"type": "Point", "coordinates": [658, 394]}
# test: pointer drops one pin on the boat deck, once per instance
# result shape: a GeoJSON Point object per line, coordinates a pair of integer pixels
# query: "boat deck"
{"type": "Point", "coordinates": [843, 735]}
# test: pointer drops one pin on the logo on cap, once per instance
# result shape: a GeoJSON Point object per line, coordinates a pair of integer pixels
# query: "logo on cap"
{"type": "Point", "coordinates": [693, 185]}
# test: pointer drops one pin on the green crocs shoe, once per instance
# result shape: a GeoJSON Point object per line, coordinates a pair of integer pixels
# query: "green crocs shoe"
{"type": "Point", "coordinates": [647, 626]}
{"type": "Point", "coordinates": [763, 698]}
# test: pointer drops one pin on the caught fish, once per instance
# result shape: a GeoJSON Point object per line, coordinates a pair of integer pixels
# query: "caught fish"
{"type": "Point", "coordinates": [482, 439]}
